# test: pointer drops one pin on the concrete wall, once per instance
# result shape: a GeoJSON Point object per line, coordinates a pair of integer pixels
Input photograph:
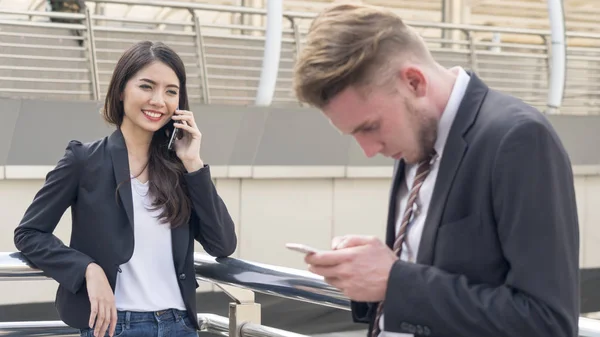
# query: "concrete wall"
{"type": "Point", "coordinates": [271, 211]}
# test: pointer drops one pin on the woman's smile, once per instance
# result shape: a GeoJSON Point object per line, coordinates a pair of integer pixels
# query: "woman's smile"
{"type": "Point", "coordinates": [153, 115]}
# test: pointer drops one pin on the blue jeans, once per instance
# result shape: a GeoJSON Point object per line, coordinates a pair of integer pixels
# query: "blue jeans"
{"type": "Point", "coordinates": [175, 323]}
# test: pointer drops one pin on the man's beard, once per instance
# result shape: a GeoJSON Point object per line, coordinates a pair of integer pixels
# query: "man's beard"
{"type": "Point", "coordinates": [426, 133]}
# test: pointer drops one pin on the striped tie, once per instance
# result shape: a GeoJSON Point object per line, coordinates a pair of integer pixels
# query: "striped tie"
{"type": "Point", "coordinates": [422, 172]}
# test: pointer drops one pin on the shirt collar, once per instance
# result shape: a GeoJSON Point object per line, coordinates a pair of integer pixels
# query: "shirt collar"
{"type": "Point", "coordinates": [456, 96]}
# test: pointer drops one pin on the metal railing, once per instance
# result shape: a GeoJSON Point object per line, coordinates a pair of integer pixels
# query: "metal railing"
{"type": "Point", "coordinates": [239, 279]}
{"type": "Point", "coordinates": [209, 323]}
{"type": "Point", "coordinates": [223, 58]}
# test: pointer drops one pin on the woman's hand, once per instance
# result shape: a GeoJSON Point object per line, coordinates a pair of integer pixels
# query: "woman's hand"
{"type": "Point", "coordinates": [188, 147]}
{"type": "Point", "coordinates": [103, 308]}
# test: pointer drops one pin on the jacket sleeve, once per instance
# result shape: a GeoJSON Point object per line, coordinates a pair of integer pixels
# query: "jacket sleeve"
{"type": "Point", "coordinates": [536, 216]}
{"type": "Point", "coordinates": [34, 236]}
{"type": "Point", "coordinates": [361, 311]}
{"type": "Point", "coordinates": [211, 222]}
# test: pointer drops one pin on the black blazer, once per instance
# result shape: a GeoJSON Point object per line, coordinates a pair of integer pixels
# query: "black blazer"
{"type": "Point", "coordinates": [499, 255]}
{"type": "Point", "coordinates": [86, 179]}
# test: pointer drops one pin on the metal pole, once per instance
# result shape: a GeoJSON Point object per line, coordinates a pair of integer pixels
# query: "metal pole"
{"type": "Point", "coordinates": [558, 62]}
{"type": "Point", "coordinates": [473, 51]}
{"type": "Point", "coordinates": [446, 34]}
{"type": "Point", "coordinates": [243, 310]}
{"type": "Point", "coordinates": [296, 42]}
{"type": "Point", "coordinates": [272, 53]}
{"type": "Point", "coordinates": [199, 40]}
{"type": "Point", "coordinates": [92, 55]}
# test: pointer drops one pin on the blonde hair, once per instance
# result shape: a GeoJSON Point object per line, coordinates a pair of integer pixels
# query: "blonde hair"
{"type": "Point", "coordinates": [351, 44]}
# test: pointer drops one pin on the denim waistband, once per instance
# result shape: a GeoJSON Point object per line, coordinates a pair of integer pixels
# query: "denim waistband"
{"type": "Point", "coordinates": [152, 316]}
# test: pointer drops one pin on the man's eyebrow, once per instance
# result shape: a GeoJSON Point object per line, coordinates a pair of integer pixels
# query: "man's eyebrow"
{"type": "Point", "coordinates": [152, 82]}
{"type": "Point", "coordinates": [360, 127]}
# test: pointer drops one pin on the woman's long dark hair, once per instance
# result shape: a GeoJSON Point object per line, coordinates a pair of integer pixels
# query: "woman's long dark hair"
{"type": "Point", "coordinates": [165, 169]}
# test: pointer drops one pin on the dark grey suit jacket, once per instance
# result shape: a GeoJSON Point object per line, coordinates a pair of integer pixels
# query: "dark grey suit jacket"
{"type": "Point", "coordinates": [86, 179]}
{"type": "Point", "coordinates": [499, 255]}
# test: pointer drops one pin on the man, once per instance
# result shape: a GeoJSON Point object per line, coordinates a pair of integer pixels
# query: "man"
{"type": "Point", "coordinates": [482, 233]}
{"type": "Point", "coordinates": [66, 6]}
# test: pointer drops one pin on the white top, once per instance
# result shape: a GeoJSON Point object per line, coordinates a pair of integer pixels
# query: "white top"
{"type": "Point", "coordinates": [148, 281]}
{"type": "Point", "coordinates": [410, 247]}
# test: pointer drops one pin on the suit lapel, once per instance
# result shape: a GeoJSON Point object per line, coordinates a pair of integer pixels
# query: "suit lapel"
{"type": "Point", "coordinates": [393, 206]}
{"type": "Point", "coordinates": [453, 154]}
{"type": "Point", "coordinates": [454, 151]}
{"type": "Point", "coordinates": [120, 161]}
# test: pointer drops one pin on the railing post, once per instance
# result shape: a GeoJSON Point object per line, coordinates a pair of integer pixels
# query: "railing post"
{"type": "Point", "coordinates": [548, 43]}
{"type": "Point", "coordinates": [297, 42]}
{"type": "Point", "coordinates": [296, 35]}
{"type": "Point", "coordinates": [92, 55]}
{"type": "Point", "coordinates": [473, 50]}
{"type": "Point", "coordinates": [201, 57]}
{"type": "Point", "coordinates": [243, 310]}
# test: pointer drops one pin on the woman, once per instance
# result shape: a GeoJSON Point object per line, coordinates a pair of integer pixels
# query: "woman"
{"type": "Point", "coordinates": [136, 207]}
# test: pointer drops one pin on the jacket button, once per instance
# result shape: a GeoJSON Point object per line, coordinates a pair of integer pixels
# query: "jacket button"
{"type": "Point", "coordinates": [412, 329]}
{"type": "Point", "coordinates": [182, 277]}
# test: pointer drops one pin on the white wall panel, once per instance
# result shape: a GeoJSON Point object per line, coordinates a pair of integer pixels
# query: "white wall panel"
{"type": "Point", "coordinates": [360, 206]}
{"type": "Point", "coordinates": [275, 212]}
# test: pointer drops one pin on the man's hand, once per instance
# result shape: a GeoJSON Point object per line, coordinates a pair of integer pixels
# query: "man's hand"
{"type": "Point", "coordinates": [359, 267]}
{"type": "Point", "coordinates": [103, 315]}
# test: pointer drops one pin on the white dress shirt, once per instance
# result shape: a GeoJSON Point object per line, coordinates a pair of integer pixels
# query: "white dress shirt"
{"type": "Point", "coordinates": [410, 247]}
{"type": "Point", "coordinates": [148, 281]}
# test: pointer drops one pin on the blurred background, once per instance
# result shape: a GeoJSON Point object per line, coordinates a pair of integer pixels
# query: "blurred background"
{"type": "Point", "coordinates": [285, 174]}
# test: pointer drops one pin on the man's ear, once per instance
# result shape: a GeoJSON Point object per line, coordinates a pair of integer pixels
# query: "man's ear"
{"type": "Point", "coordinates": [415, 80]}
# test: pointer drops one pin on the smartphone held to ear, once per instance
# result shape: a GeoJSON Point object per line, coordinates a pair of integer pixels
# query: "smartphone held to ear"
{"type": "Point", "coordinates": [175, 134]}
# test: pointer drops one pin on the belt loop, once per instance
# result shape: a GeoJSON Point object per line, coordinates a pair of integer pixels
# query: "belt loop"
{"type": "Point", "coordinates": [176, 315]}
{"type": "Point", "coordinates": [127, 319]}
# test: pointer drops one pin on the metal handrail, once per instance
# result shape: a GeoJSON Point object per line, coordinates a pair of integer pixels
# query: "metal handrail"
{"type": "Point", "coordinates": [219, 325]}
{"type": "Point", "coordinates": [209, 323]}
{"type": "Point", "coordinates": [291, 14]}
{"type": "Point", "coordinates": [257, 277]}
{"type": "Point", "coordinates": [212, 61]}
{"type": "Point", "coordinates": [263, 278]}
{"type": "Point", "coordinates": [310, 15]}
{"type": "Point", "coordinates": [268, 279]}
{"type": "Point", "coordinates": [197, 6]}
{"type": "Point", "coordinates": [57, 15]}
